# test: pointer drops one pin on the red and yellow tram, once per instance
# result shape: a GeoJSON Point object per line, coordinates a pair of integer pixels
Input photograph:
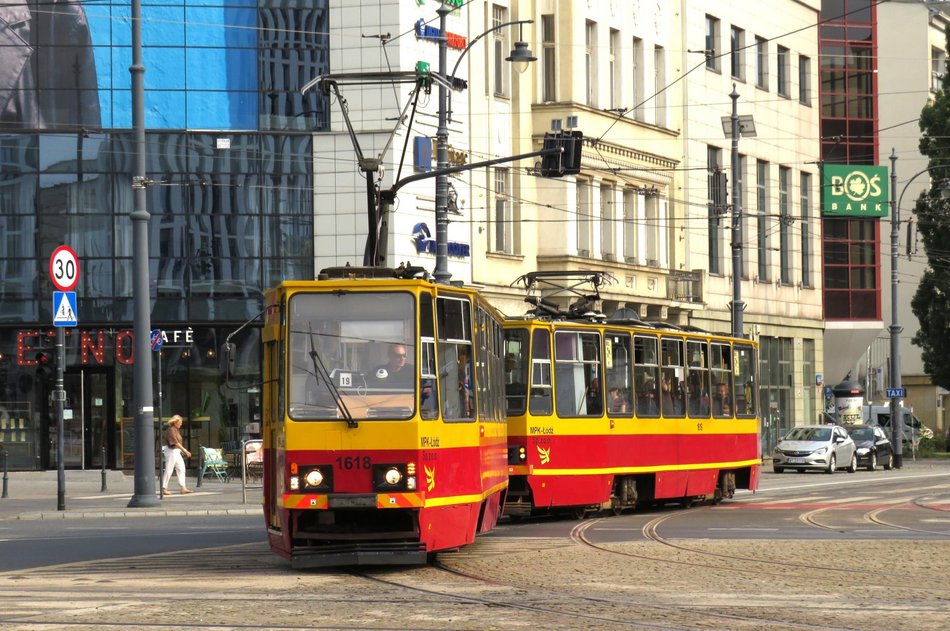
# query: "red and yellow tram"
{"type": "Point", "coordinates": [384, 427]}
{"type": "Point", "coordinates": [606, 414]}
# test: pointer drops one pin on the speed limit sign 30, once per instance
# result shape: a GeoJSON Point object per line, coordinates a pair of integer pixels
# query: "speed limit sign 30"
{"type": "Point", "coordinates": [64, 268]}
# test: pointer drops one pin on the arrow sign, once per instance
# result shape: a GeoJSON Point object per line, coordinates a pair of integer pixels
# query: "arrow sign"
{"type": "Point", "coordinates": [64, 308]}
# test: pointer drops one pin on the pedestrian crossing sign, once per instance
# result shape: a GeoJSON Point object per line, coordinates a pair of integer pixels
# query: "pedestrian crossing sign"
{"type": "Point", "coordinates": [64, 308]}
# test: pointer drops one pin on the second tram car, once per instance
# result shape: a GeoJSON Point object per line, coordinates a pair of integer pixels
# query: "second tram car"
{"type": "Point", "coordinates": [606, 415]}
{"type": "Point", "coordinates": [384, 427]}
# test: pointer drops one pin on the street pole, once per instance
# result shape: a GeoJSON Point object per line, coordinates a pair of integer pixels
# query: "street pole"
{"type": "Point", "coordinates": [442, 274]}
{"type": "Point", "coordinates": [897, 419]}
{"type": "Point", "coordinates": [143, 411]}
{"type": "Point", "coordinates": [737, 305]}
{"type": "Point", "coordinates": [59, 397]}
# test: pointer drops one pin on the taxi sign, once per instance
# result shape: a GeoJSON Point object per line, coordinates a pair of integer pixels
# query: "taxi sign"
{"type": "Point", "coordinates": [896, 393]}
{"type": "Point", "coordinates": [64, 308]}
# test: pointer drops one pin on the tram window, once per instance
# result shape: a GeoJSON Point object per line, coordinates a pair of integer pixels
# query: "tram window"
{"type": "Point", "coordinates": [618, 369]}
{"type": "Point", "coordinates": [540, 401]}
{"type": "Point", "coordinates": [577, 383]}
{"type": "Point", "coordinates": [337, 353]}
{"type": "Point", "coordinates": [744, 362]}
{"type": "Point", "coordinates": [697, 379]}
{"type": "Point", "coordinates": [646, 375]}
{"type": "Point", "coordinates": [723, 399]}
{"type": "Point", "coordinates": [455, 359]}
{"type": "Point", "coordinates": [516, 371]}
{"type": "Point", "coordinates": [428, 384]}
{"type": "Point", "coordinates": [672, 390]}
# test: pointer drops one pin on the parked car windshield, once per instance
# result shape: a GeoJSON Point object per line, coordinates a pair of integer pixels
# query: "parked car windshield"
{"type": "Point", "coordinates": [862, 433]}
{"type": "Point", "coordinates": [809, 433]}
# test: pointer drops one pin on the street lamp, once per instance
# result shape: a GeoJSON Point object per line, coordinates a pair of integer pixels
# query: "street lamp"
{"type": "Point", "coordinates": [738, 126]}
{"type": "Point", "coordinates": [897, 419]}
{"type": "Point", "coordinates": [521, 56]}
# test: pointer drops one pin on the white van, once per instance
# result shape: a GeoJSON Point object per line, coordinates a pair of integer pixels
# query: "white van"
{"type": "Point", "coordinates": [881, 415]}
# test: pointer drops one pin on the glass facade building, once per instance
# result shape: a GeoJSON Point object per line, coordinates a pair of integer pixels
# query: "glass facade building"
{"type": "Point", "coordinates": [230, 195]}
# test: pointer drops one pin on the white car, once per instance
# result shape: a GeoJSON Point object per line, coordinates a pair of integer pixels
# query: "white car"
{"type": "Point", "coordinates": [818, 447]}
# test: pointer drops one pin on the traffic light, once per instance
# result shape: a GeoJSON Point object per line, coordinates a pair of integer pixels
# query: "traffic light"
{"type": "Point", "coordinates": [565, 157]}
{"type": "Point", "coordinates": [35, 349]}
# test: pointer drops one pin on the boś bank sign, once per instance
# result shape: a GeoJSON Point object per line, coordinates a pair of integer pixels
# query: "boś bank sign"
{"type": "Point", "coordinates": [854, 190]}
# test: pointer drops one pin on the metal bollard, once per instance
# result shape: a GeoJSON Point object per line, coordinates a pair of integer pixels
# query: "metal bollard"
{"type": "Point", "coordinates": [105, 486]}
{"type": "Point", "coordinates": [3, 454]}
{"type": "Point", "coordinates": [201, 457]}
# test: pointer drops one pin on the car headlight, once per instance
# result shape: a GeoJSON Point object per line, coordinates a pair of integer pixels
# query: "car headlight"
{"type": "Point", "coordinates": [863, 450]}
{"type": "Point", "coordinates": [820, 452]}
{"type": "Point", "coordinates": [777, 451]}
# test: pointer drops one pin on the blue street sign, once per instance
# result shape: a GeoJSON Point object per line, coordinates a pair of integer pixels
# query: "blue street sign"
{"type": "Point", "coordinates": [64, 308]}
{"type": "Point", "coordinates": [155, 339]}
{"type": "Point", "coordinates": [896, 393]}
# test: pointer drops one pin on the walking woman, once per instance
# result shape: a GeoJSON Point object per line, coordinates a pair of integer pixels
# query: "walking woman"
{"type": "Point", "coordinates": [173, 460]}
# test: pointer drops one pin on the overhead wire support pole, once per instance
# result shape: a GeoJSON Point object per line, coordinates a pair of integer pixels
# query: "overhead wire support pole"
{"type": "Point", "coordinates": [895, 329]}
{"type": "Point", "coordinates": [737, 305]}
{"type": "Point", "coordinates": [143, 405]}
{"type": "Point", "coordinates": [442, 274]}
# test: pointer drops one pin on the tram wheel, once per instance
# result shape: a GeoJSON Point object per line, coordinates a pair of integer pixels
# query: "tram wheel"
{"type": "Point", "coordinates": [578, 513]}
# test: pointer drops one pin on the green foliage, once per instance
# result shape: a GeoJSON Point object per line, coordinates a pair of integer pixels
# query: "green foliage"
{"type": "Point", "coordinates": [931, 303]}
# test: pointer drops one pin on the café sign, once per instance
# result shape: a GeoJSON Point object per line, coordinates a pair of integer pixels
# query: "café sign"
{"type": "Point", "coordinates": [854, 190]}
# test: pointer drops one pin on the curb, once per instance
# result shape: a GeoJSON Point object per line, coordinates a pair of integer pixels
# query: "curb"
{"type": "Point", "coordinates": [207, 512]}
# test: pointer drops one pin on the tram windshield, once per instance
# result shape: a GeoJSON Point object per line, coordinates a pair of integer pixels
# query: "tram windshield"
{"type": "Point", "coordinates": [352, 350]}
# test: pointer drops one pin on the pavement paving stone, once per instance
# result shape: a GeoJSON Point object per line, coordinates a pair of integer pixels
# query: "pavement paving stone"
{"type": "Point", "coordinates": [33, 495]}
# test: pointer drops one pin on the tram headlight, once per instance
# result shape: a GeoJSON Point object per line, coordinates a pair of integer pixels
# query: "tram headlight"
{"type": "Point", "coordinates": [517, 454]}
{"type": "Point", "coordinates": [313, 478]}
{"type": "Point", "coordinates": [394, 477]}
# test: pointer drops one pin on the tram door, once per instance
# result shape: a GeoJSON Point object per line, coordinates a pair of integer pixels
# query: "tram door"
{"type": "Point", "coordinates": [88, 420]}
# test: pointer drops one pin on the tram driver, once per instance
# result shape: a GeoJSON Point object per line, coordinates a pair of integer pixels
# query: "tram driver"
{"type": "Point", "coordinates": [396, 372]}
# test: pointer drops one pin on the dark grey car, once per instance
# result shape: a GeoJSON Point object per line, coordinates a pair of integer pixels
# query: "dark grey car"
{"type": "Point", "coordinates": [873, 446]}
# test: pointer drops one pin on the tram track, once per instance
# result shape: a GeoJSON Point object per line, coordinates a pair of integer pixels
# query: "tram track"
{"type": "Point", "coordinates": [750, 565]}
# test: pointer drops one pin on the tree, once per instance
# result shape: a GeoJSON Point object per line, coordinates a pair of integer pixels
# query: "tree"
{"type": "Point", "coordinates": [931, 302]}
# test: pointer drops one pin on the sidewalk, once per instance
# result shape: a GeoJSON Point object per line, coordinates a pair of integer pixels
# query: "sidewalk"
{"type": "Point", "coordinates": [34, 495]}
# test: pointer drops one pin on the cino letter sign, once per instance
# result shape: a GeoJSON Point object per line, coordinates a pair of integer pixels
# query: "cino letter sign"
{"type": "Point", "coordinates": [854, 190]}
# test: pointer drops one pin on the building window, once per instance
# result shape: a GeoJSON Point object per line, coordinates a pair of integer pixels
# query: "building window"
{"type": "Point", "coordinates": [630, 222]}
{"type": "Point", "coordinates": [804, 80]}
{"type": "Point", "coordinates": [806, 228]}
{"type": "Point", "coordinates": [938, 66]}
{"type": "Point", "coordinates": [638, 78]}
{"type": "Point", "coordinates": [785, 221]}
{"type": "Point", "coordinates": [761, 63]}
{"type": "Point", "coordinates": [775, 394]}
{"type": "Point", "coordinates": [745, 253]}
{"type": "Point", "coordinates": [808, 378]}
{"type": "Point", "coordinates": [548, 59]}
{"type": "Point", "coordinates": [614, 59]}
{"type": "Point", "coordinates": [584, 218]}
{"type": "Point", "coordinates": [713, 164]}
{"type": "Point", "coordinates": [736, 51]}
{"type": "Point", "coordinates": [500, 47]}
{"type": "Point", "coordinates": [712, 43]}
{"type": "Point", "coordinates": [762, 218]}
{"type": "Point", "coordinates": [653, 223]}
{"type": "Point", "coordinates": [659, 84]}
{"type": "Point", "coordinates": [590, 63]}
{"type": "Point", "coordinates": [782, 68]}
{"type": "Point", "coordinates": [502, 219]}
{"type": "Point", "coordinates": [607, 221]}
{"type": "Point", "coordinates": [851, 269]}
